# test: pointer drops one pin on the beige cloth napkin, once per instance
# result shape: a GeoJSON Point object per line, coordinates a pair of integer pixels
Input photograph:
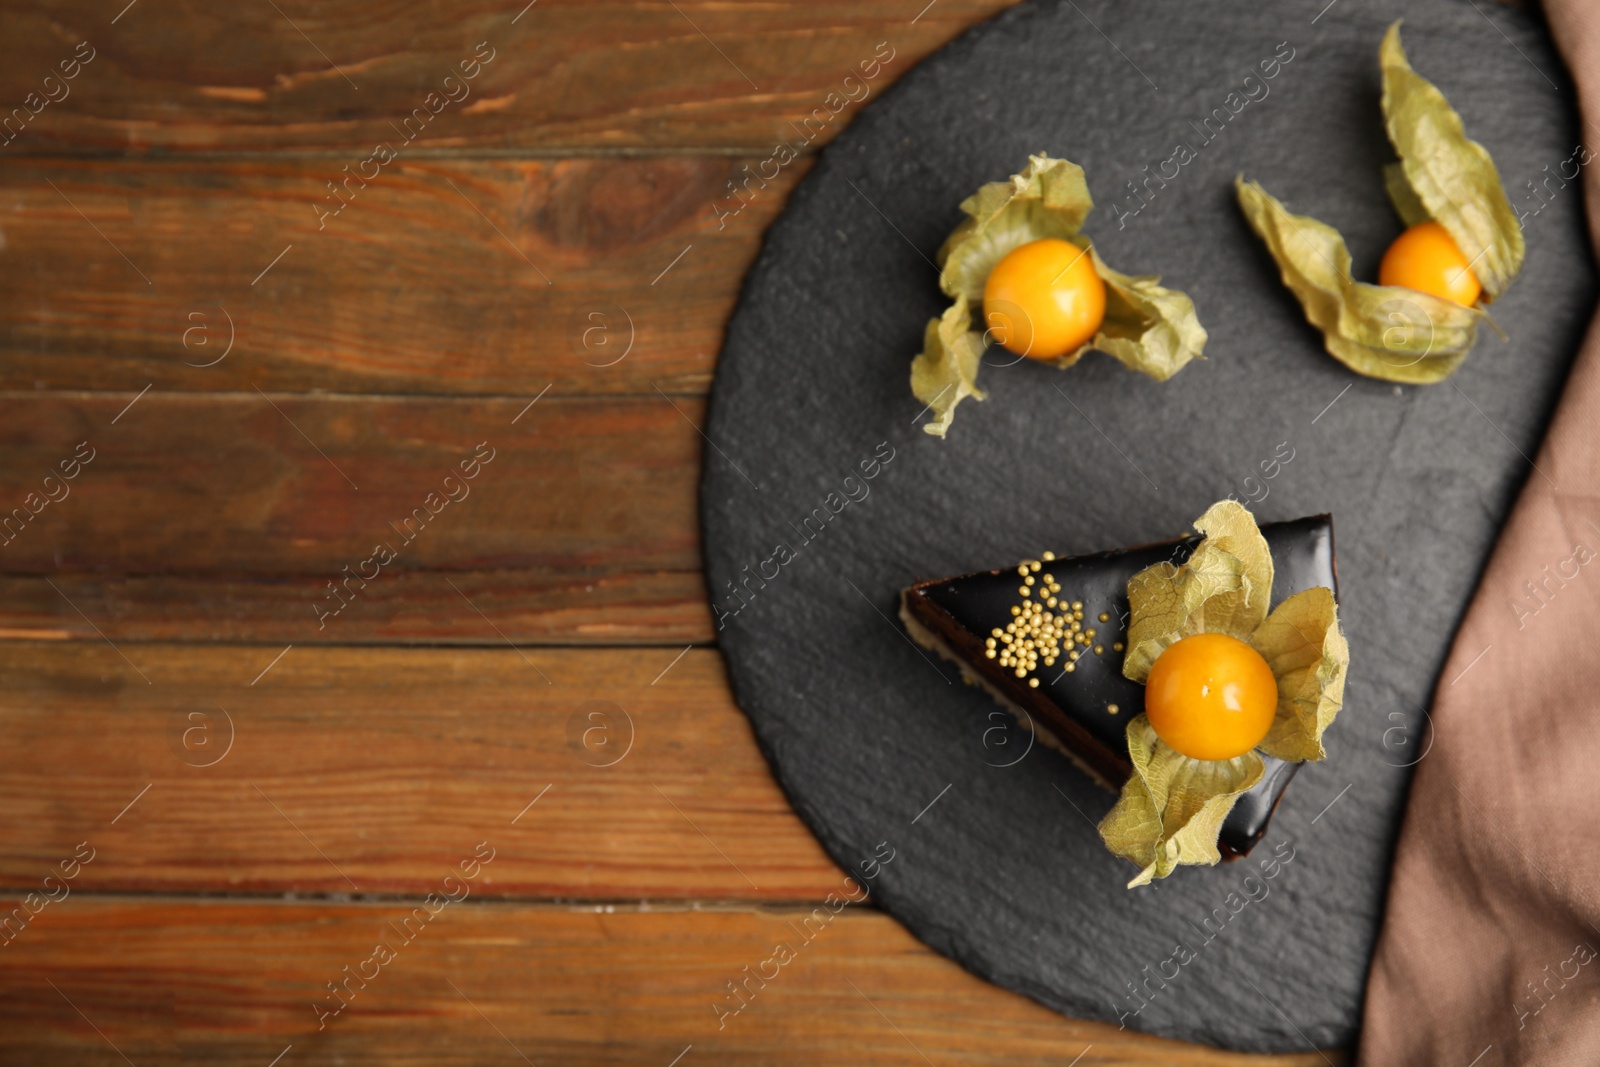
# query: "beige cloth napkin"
{"type": "Point", "coordinates": [1490, 950]}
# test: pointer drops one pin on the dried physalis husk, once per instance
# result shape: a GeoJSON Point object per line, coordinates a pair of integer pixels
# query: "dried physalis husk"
{"type": "Point", "coordinates": [1172, 807]}
{"type": "Point", "coordinates": [1048, 199]}
{"type": "Point", "coordinates": [1388, 332]}
{"type": "Point", "coordinates": [946, 372]}
{"type": "Point", "coordinates": [1309, 657]}
{"type": "Point", "coordinates": [1223, 587]}
{"type": "Point", "coordinates": [1148, 328]}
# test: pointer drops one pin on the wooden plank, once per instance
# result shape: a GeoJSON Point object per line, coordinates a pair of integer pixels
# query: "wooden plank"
{"type": "Point", "coordinates": [562, 74]}
{"type": "Point", "coordinates": [189, 980]}
{"type": "Point", "coordinates": [348, 770]}
{"type": "Point", "coordinates": [228, 516]}
{"type": "Point", "coordinates": [590, 276]}
{"type": "Point", "coordinates": [581, 529]}
{"type": "Point", "coordinates": [262, 485]}
{"type": "Point", "coordinates": [570, 606]}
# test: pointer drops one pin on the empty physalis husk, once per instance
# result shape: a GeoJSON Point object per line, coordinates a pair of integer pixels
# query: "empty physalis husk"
{"type": "Point", "coordinates": [1044, 291]}
{"type": "Point", "coordinates": [1461, 249]}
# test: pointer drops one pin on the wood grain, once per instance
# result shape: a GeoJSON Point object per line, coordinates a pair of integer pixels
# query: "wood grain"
{"type": "Point", "coordinates": [591, 276]}
{"type": "Point", "coordinates": [193, 980]}
{"type": "Point", "coordinates": [274, 485]}
{"type": "Point", "coordinates": [348, 770]}
{"type": "Point", "coordinates": [569, 606]}
{"type": "Point", "coordinates": [226, 517]}
{"type": "Point", "coordinates": [626, 74]}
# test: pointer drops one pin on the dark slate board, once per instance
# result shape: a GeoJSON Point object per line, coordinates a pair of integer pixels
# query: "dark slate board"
{"type": "Point", "coordinates": [1005, 873]}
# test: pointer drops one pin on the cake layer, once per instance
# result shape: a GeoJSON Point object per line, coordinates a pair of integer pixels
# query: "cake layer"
{"type": "Point", "coordinates": [1083, 699]}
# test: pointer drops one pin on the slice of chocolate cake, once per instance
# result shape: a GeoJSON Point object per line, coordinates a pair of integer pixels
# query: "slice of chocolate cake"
{"type": "Point", "coordinates": [1066, 672]}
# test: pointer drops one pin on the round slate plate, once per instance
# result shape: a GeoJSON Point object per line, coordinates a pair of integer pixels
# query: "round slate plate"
{"type": "Point", "coordinates": [999, 866]}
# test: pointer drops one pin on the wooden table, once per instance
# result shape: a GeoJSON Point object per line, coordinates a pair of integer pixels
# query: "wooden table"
{"type": "Point", "coordinates": [282, 682]}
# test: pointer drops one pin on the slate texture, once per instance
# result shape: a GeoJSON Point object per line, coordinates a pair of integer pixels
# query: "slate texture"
{"type": "Point", "coordinates": [1004, 872]}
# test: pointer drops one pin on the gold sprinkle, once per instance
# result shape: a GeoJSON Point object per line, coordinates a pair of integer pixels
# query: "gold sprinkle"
{"type": "Point", "coordinates": [1034, 632]}
{"type": "Point", "coordinates": [1047, 555]}
{"type": "Point", "coordinates": [1112, 708]}
{"type": "Point", "coordinates": [1117, 647]}
{"type": "Point", "coordinates": [1105, 617]}
{"type": "Point", "coordinates": [1070, 668]}
{"type": "Point", "coordinates": [1099, 649]}
{"type": "Point", "coordinates": [1034, 566]}
{"type": "Point", "coordinates": [1033, 683]}
{"type": "Point", "coordinates": [1090, 631]}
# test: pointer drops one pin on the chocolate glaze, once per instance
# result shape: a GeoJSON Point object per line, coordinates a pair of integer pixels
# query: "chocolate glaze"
{"type": "Point", "coordinates": [963, 611]}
